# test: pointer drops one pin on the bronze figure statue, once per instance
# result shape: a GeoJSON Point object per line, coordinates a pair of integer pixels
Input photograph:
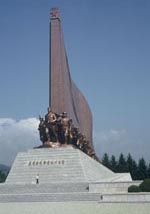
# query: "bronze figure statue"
{"type": "Point", "coordinates": [58, 130]}
{"type": "Point", "coordinates": [51, 124]}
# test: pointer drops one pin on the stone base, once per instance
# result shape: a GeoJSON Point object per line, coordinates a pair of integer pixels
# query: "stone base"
{"type": "Point", "coordinates": [60, 165]}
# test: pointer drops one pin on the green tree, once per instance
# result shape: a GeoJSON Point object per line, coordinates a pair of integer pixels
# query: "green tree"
{"type": "Point", "coordinates": [129, 162]}
{"type": "Point", "coordinates": [132, 167]}
{"type": "Point", "coordinates": [113, 163]}
{"type": "Point", "coordinates": [148, 171]}
{"type": "Point", "coordinates": [134, 171]}
{"type": "Point", "coordinates": [142, 169]}
{"type": "Point", "coordinates": [106, 161]}
{"type": "Point", "coordinates": [122, 164]}
{"type": "Point", "coordinates": [2, 177]}
{"type": "Point", "coordinates": [138, 171]}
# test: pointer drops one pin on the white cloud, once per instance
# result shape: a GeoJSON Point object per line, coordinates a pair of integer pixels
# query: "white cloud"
{"type": "Point", "coordinates": [17, 136]}
{"type": "Point", "coordinates": [113, 135]}
{"type": "Point", "coordinates": [116, 141]}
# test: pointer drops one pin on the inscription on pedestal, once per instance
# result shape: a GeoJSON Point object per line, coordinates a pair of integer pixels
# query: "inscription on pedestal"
{"type": "Point", "coordinates": [46, 162]}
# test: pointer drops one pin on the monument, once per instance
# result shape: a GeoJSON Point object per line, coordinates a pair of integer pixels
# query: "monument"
{"type": "Point", "coordinates": [69, 118]}
{"type": "Point", "coordinates": [65, 167]}
{"type": "Point", "coordinates": [67, 150]}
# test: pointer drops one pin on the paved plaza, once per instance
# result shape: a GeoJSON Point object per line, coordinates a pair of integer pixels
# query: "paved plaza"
{"type": "Point", "coordinates": [75, 208]}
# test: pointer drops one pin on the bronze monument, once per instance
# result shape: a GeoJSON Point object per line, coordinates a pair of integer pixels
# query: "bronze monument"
{"type": "Point", "coordinates": [69, 119]}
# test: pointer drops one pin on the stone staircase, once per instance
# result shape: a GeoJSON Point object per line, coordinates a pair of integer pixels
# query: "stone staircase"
{"type": "Point", "coordinates": [49, 197]}
{"type": "Point", "coordinates": [56, 192]}
{"type": "Point", "coordinates": [77, 192]}
{"type": "Point", "coordinates": [44, 188]}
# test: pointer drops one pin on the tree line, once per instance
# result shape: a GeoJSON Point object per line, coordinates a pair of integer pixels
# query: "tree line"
{"type": "Point", "coordinates": [139, 170]}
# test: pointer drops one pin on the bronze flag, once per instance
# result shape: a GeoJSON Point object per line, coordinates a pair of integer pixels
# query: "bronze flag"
{"type": "Point", "coordinates": [64, 94]}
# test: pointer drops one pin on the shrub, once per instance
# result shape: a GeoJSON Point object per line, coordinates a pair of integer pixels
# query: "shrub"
{"type": "Point", "coordinates": [145, 185]}
{"type": "Point", "coordinates": [133, 188]}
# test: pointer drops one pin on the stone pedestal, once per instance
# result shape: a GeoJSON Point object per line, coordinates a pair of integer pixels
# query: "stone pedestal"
{"type": "Point", "coordinates": [60, 165]}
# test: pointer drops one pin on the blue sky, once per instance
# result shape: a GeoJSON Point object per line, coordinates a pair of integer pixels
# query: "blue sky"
{"type": "Point", "coordinates": [108, 48]}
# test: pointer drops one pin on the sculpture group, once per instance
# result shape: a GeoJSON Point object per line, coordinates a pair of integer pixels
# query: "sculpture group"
{"type": "Point", "coordinates": [58, 130]}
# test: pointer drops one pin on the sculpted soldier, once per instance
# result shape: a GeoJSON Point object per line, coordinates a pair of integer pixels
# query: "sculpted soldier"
{"type": "Point", "coordinates": [80, 140]}
{"type": "Point", "coordinates": [50, 117]}
{"type": "Point", "coordinates": [74, 135]}
{"type": "Point", "coordinates": [42, 130]}
{"type": "Point", "coordinates": [66, 126]}
{"type": "Point", "coordinates": [51, 123]}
